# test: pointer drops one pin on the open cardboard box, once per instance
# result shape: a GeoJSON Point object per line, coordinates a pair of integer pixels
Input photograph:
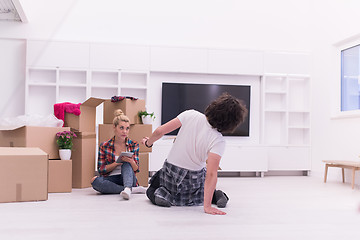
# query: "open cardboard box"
{"type": "Point", "coordinates": [24, 176]}
{"type": "Point", "coordinates": [86, 121]}
{"type": "Point", "coordinates": [32, 136]}
{"type": "Point", "coordinates": [130, 108]}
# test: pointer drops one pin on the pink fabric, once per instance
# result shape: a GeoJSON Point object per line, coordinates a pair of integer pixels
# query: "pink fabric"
{"type": "Point", "coordinates": [61, 108]}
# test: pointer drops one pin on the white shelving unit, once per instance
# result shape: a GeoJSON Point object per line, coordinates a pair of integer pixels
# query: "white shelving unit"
{"type": "Point", "coordinates": [46, 86]}
{"type": "Point", "coordinates": [286, 121]}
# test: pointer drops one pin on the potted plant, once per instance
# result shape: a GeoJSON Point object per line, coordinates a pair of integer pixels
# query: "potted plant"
{"type": "Point", "coordinates": [146, 117]}
{"type": "Point", "coordinates": [64, 142]}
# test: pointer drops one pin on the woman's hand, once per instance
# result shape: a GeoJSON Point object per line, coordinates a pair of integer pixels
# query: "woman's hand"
{"type": "Point", "coordinates": [127, 159]}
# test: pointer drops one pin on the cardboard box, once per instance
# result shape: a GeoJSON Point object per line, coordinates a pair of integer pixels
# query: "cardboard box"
{"type": "Point", "coordinates": [60, 176]}
{"type": "Point", "coordinates": [24, 175]}
{"type": "Point", "coordinates": [83, 159]}
{"type": "Point", "coordinates": [143, 175]}
{"type": "Point", "coordinates": [136, 133]}
{"type": "Point", "coordinates": [131, 108]}
{"type": "Point", "coordinates": [86, 121]}
{"type": "Point", "coordinates": [32, 136]}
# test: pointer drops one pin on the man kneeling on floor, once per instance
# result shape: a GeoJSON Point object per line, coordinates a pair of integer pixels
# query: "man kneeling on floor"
{"type": "Point", "coordinates": [185, 179]}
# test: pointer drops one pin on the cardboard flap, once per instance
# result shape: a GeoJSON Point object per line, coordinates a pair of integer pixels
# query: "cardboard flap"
{"type": "Point", "coordinates": [11, 127]}
{"type": "Point", "coordinates": [18, 151]}
{"type": "Point", "coordinates": [92, 102]}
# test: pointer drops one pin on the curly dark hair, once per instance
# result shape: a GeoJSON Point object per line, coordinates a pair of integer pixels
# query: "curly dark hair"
{"type": "Point", "coordinates": [226, 113]}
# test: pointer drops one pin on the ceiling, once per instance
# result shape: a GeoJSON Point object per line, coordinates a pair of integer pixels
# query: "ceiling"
{"type": "Point", "coordinates": [11, 10]}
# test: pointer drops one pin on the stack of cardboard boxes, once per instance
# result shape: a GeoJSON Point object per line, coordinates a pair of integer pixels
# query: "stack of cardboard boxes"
{"type": "Point", "coordinates": [83, 153]}
{"type": "Point", "coordinates": [27, 174]}
{"type": "Point", "coordinates": [137, 131]}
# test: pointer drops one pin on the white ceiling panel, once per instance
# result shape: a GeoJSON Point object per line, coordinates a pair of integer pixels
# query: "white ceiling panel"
{"type": "Point", "coordinates": [11, 10]}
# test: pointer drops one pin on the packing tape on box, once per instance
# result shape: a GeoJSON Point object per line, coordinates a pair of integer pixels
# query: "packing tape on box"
{"type": "Point", "coordinates": [18, 192]}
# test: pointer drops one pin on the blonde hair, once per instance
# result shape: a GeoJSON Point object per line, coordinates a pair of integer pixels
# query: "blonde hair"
{"type": "Point", "coordinates": [120, 116]}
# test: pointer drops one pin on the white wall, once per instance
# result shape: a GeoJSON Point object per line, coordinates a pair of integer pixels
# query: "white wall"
{"type": "Point", "coordinates": [12, 77]}
{"type": "Point", "coordinates": [273, 25]}
{"type": "Point", "coordinates": [282, 25]}
{"type": "Point", "coordinates": [331, 138]}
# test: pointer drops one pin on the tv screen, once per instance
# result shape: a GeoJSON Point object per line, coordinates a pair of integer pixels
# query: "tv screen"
{"type": "Point", "coordinates": [178, 97]}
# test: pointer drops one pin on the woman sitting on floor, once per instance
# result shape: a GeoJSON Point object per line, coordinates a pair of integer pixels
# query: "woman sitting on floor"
{"type": "Point", "coordinates": [118, 175]}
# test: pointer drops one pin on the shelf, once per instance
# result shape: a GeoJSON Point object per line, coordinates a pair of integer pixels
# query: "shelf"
{"type": "Point", "coordinates": [105, 78]}
{"type": "Point", "coordinates": [275, 101]}
{"type": "Point", "coordinates": [298, 127]}
{"type": "Point", "coordinates": [77, 85]}
{"type": "Point", "coordinates": [276, 134]}
{"type": "Point", "coordinates": [38, 76]}
{"type": "Point", "coordinates": [104, 92]}
{"type": "Point", "coordinates": [133, 79]}
{"type": "Point", "coordinates": [104, 86]}
{"type": "Point", "coordinates": [72, 85]}
{"type": "Point", "coordinates": [275, 84]}
{"type": "Point", "coordinates": [72, 94]}
{"type": "Point", "coordinates": [305, 111]}
{"type": "Point", "coordinates": [42, 84]}
{"type": "Point", "coordinates": [299, 136]}
{"type": "Point", "coordinates": [138, 93]}
{"type": "Point", "coordinates": [275, 110]}
{"type": "Point", "coordinates": [133, 87]}
{"type": "Point", "coordinates": [275, 92]}
{"type": "Point", "coordinates": [72, 77]}
{"type": "Point", "coordinates": [286, 114]}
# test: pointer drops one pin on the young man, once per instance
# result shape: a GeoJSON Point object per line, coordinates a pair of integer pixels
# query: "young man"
{"type": "Point", "coordinates": [189, 174]}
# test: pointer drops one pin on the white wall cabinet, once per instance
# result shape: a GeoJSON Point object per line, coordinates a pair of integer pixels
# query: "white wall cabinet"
{"type": "Point", "coordinates": [57, 54]}
{"type": "Point", "coordinates": [47, 86]}
{"type": "Point", "coordinates": [244, 159]}
{"type": "Point", "coordinates": [289, 158]}
{"type": "Point", "coordinates": [286, 109]}
{"type": "Point", "coordinates": [287, 62]}
{"type": "Point", "coordinates": [116, 56]}
{"type": "Point", "coordinates": [286, 121]}
{"type": "Point", "coordinates": [171, 59]}
{"type": "Point", "coordinates": [235, 62]}
{"type": "Point", "coordinates": [72, 72]}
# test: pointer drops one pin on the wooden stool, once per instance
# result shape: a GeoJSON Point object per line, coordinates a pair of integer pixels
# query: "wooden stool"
{"type": "Point", "coordinates": [342, 164]}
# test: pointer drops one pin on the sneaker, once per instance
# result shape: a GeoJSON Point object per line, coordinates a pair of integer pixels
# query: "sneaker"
{"type": "Point", "coordinates": [221, 198]}
{"type": "Point", "coordinates": [162, 202]}
{"type": "Point", "coordinates": [126, 193]}
{"type": "Point", "coordinates": [138, 189]}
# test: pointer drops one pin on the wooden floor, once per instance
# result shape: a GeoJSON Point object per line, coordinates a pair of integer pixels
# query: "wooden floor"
{"type": "Point", "coordinates": [273, 207]}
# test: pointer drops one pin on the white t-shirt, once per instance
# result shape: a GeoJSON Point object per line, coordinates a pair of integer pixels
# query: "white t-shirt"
{"type": "Point", "coordinates": [196, 138]}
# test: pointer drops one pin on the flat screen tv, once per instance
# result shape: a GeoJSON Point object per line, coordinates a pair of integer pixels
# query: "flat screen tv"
{"type": "Point", "coordinates": [178, 97]}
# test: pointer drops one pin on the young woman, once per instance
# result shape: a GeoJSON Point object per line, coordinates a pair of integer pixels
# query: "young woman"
{"type": "Point", "coordinates": [189, 174]}
{"type": "Point", "coordinates": [118, 175]}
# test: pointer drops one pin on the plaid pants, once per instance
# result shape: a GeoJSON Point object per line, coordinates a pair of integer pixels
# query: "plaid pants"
{"type": "Point", "coordinates": [180, 186]}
